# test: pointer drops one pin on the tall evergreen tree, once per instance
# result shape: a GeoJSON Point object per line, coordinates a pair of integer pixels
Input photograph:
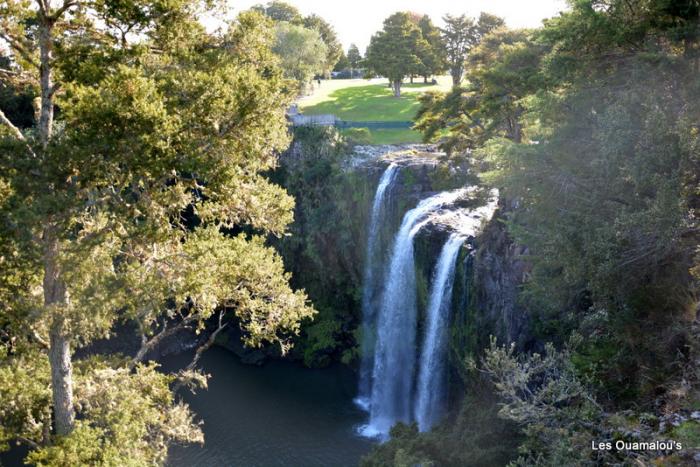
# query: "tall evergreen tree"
{"type": "Point", "coordinates": [394, 51]}
{"type": "Point", "coordinates": [158, 123]}
{"type": "Point", "coordinates": [460, 35]}
{"type": "Point", "coordinates": [434, 58]}
{"type": "Point", "coordinates": [457, 35]}
{"type": "Point", "coordinates": [354, 56]}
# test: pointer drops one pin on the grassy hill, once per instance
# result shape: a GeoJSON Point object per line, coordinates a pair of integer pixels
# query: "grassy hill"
{"type": "Point", "coordinates": [371, 100]}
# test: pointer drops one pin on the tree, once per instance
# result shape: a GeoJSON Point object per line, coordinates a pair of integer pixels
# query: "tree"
{"type": "Point", "coordinates": [457, 36]}
{"type": "Point", "coordinates": [280, 11]}
{"type": "Point", "coordinates": [343, 63]}
{"type": "Point", "coordinates": [302, 52]}
{"type": "Point", "coordinates": [608, 193]}
{"type": "Point", "coordinates": [159, 122]}
{"type": "Point", "coordinates": [434, 57]}
{"type": "Point", "coordinates": [329, 37]}
{"type": "Point", "coordinates": [502, 71]}
{"type": "Point", "coordinates": [460, 35]}
{"type": "Point", "coordinates": [484, 25]}
{"type": "Point", "coordinates": [284, 12]}
{"type": "Point", "coordinates": [354, 56]}
{"type": "Point", "coordinates": [393, 51]}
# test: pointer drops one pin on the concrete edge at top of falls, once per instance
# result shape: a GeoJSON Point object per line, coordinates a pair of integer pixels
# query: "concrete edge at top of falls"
{"type": "Point", "coordinates": [404, 154]}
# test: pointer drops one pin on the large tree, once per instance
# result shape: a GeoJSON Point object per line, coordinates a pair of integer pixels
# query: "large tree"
{"type": "Point", "coordinates": [394, 51]}
{"type": "Point", "coordinates": [119, 208]}
{"type": "Point", "coordinates": [502, 71]}
{"type": "Point", "coordinates": [457, 35]}
{"type": "Point", "coordinates": [434, 56]}
{"type": "Point", "coordinates": [334, 49]}
{"type": "Point", "coordinates": [302, 52]}
{"type": "Point", "coordinates": [280, 11]}
{"type": "Point", "coordinates": [284, 12]}
{"type": "Point", "coordinates": [460, 35]}
{"type": "Point", "coordinates": [354, 56]}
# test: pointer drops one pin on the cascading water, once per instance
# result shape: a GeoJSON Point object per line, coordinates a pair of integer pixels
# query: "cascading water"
{"type": "Point", "coordinates": [370, 288]}
{"type": "Point", "coordinates": [395, 349]}
{"type": "Point", "coordinates": [430, 397]}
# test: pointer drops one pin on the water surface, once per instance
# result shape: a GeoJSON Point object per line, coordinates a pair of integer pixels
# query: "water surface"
{"type": "Point", "coordinates": [280, 414]}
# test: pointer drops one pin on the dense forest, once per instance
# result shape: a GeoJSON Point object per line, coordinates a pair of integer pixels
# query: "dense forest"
{"type": "Point", "coordinates": [153, 191]}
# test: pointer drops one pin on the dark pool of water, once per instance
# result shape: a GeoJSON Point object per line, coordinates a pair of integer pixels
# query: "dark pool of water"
{"type": "Point", "coordinates": [280, 414]}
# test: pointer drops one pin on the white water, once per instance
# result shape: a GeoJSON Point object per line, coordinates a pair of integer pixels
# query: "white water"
{"type": "Point", "coordinates": [430, 397]}
{"type": "Point", "coordinates": [395, 349]}
{"type": "Point", "coordinates": [370, 288]}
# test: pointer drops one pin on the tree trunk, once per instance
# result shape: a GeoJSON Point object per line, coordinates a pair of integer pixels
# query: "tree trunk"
{"type": "Point", "coordinates": [55, 295]}
{"type": "Point", "coordinates": [411, 79]}
{"type": "Point", "coordinates": [456, 76]}
{"type": "Point", "coordinates": [61, 380]}
{"type": "Point", "coordinates": [46, 82]}
{"type": "Point", "coordinates": [397, 88]}
{"type": "Point", "coordinates": [425, 79]}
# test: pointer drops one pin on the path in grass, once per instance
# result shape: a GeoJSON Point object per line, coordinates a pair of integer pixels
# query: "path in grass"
{"type": "Point", "coordinates": [371, 100]}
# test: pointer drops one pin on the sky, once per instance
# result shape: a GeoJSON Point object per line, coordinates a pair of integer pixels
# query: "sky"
{"type": "Point", "coordinates": [356, 20]}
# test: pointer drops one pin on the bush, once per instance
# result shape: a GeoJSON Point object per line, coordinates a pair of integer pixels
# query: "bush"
{"type": "Point", "coordinates": [358, 135]}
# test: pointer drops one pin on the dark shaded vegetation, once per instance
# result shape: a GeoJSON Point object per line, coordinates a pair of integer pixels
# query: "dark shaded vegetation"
{"type": "Point", "coordinates": [327, 233]}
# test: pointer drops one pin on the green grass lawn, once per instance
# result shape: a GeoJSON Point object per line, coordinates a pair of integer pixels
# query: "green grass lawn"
{"type": "Point", "coordinates": [371, 100]}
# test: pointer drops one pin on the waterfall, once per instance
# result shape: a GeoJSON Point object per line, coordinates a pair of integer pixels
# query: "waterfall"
{"type": "Point", "coordinates": [395, 348]}
{"type": "Point", "coordinates": [430, 397]}
{"type": "Point", "coordinates": [370, 288]}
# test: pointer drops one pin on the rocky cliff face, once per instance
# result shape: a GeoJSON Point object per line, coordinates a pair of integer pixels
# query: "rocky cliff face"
{"type": "Point", "coordinates": [499, 269]}
{"type": "Point", "coordinates": [491, 267]}
{"type": "Point", "coordinates": [326, 252]}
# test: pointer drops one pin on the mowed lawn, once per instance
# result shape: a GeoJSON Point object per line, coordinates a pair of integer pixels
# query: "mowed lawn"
{"type": "Point", "coordinates": [361, 100]}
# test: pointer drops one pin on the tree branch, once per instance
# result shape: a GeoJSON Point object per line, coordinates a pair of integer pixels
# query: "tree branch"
{"type": "Point", "coordinates": [20, 49]}
{"type": "Point", "coordinates": [28, 442]}
{"type": "Point", "coordinates": [58, 13]}
{"type": "Point", "coordinates": [152, 343]}
{"type": "Point", "coordinates": [204, 347]}
{"type": "Point", "coordinates": [16, 132]}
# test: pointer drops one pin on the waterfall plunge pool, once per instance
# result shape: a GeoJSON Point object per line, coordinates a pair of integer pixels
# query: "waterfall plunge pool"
{"type": "Point", "coordinates": [278, 414]}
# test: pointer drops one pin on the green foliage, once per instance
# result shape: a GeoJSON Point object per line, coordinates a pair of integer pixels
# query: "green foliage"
{"type": "Point", "coordinates": [343, 63]}
{"type": "Point", "coordinates": [503, 71]}
{"type": "Point", "coordinates": [354, 56]}
{"type": "Point", "coordinates": [474, 437]}
{"type": "Point", "coordinates": [557, 412]}
{"type": "Point", "coordinates": [322, 251]}
{"type": "Point", "coordinates": [621, 170]}
{"type": "Point", "coordinates": [358, 135]}
{"type": "Point", "coordinates": [26, 397]}
{"type": "Point", "coordinates": [433, 56]}
{"type": "Point", "coordinates": [123, 210]}
{"type": "Point", "coordinates": [585, 127]}
{"type": "Point", "coordinates": [280, 11]}
{"type": "Point", "coordinates": [334, 50]}
{"type": "Point", "coordinates": [395, 51]}
{"type": "Point", "coordinates": [687, 433]}
{"type": "Point", "coordinates": [460, 35]}
{"type": "Point", "coordinates": [302, 52]}
{"type": "Point", "coordinates": [129, 420]}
